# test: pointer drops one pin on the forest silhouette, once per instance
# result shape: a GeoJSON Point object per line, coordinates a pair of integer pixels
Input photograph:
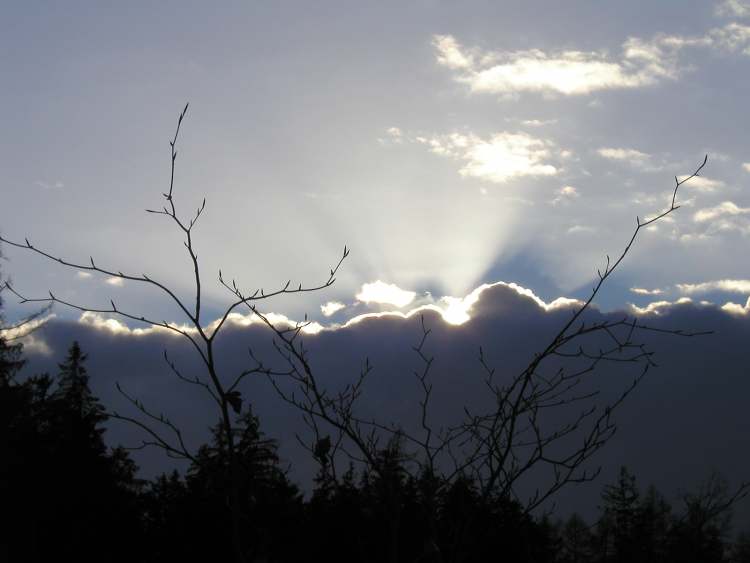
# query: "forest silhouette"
{"type": "Point", "coordinates": [71, 497]}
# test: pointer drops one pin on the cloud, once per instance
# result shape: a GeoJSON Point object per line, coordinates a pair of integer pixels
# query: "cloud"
{"type": "Point", "coordinates": [50, 185]}
{"type": "Point", "coordinates": [459, 310]}
{"type": "Point", "coordinates": [567, 72]}
{"type": "Point", "coordinates": [566, 193]}
{"type": "Point", "coordinates": [395, 135]}
{"type": "Point", "coordinates": [456, 310]}
{"type": "Point", "coordinates": [385, 293]}
{"type": "Point", "coordinates": [733, 8]}
{"type": "Point", "coordinates": [732, 38]}
{"type": "Point", "coordinates": [642, 62]}
{"type": "Point", "coordinates": [25, 332]}
{"type": "Point", "coordinates": [115, 281]}
{"type": "Point", "coordinates": [451, 54]}
{"type": "Point", "coordinates": [575, 229]}
{"type": "Point", "coordinates": [642, 291]}
{"type": "Point", "coordinates": [331, 308]}
{"type": "Point", "coordinates": [746, 166]}
{"type": "Point", "coordinates": [538, 122]}
{"type": "Point", "coordinates": [701, 183]}
{"type": "Point", "coordinates": [726, 208]}
{"type": "Point", "coordinates": [659, 307]}
{"type": "Point", "coordinates": [84, 275]}
{"type": "Point", "coordinates": [502, 157]}
{"type": "Point", "coordinates": [115, 326]}
{"type": "Point", "coordinates": [728, 286]}
{"type": "Point", "coordinates": [736, 308]}
{"type": "Point", "coordinates": [631, 155]}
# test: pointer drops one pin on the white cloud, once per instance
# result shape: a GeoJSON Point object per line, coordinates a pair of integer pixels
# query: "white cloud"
{"type": "Point", "coordinates": [631, 155]}
{"type": "Point", "coordinates": [386, 293]}
{"type": "Point", "coordinates": [732, 37]}
{"type": "Point", "coordinates": [736, 308]}
{"type": "Point", "coordinates": [729, 286]}
{"type": "Point", "coordinates": [566, 193]}
{"type": "Point", "coordinates": [115, 326]}
{"type": "Point", "coordinates": [117, 282]}
{"type": "Point", "coordinates": [701, 183]}
{"type": "Point", "coordinates": [746, 166]}
{"type": "Point", "coordinates": [575, 229]}
{"type": "Point", "coordinates": [733, 8]}
{"type": "Point", "coordinates": [538, 122]}
{"type": "Point", "coordinates": [84, 275]}
{"type": "Point", "coordinates": [276, 319]}
{"type": "Point", "coordinates": [50, 185]}
{"type": "Point", "coordinates": [393, 136]}
{"type": "Point", "coordinates": [642, 291]}
{"type": "Point", "coordinates": [642, 62]}
{"type": "Point", "coordinates": [657, 307]}
{"type": "Point", "coordinates": [451, 54]}
{"type": "Point", "coordinates": [500, 158]}
{"type": "Point", "coordinates": [457, 310]}
{"type": "Point", "coordinates": [563, 72]}
{"type": "Point", "coordinates": [26, 334]}
{"type": "Point", "coordinates": [331, 308]}
{"type": "Point", "coordinates": [394, 131]}
{"type": "Point", "coordinates": [726, 208]}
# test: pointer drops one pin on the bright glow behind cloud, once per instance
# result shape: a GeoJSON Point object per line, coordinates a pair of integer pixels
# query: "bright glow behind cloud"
{"type": "Point", "coordinates": [458, 310]}
{"type": "Point", "coordinates": [385, 293]}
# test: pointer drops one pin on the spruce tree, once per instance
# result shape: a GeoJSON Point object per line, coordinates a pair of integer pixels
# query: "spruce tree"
{"type": "Point", "coordinates": [620, 510]}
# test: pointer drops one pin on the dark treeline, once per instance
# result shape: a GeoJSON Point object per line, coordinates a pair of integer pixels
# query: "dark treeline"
{"type": "Point", "coordinates": [67, 496]}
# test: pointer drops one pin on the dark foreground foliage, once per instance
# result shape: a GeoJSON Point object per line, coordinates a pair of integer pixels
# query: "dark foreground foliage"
{"type": "Point", "coordinates": [67, 496]}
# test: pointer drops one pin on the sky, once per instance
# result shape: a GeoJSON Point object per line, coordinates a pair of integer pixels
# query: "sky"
{"type": "Point", "coordinates": [457, 150]}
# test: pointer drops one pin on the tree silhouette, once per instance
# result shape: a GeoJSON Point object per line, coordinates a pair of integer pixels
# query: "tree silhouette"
{"type": "Point", "coordinates": [187, 519]}
{"type": "Point", "coordinates": [71, 498]}
{"type": "Point", "coordinates": [224, 388]}
{"type": "Point", "coordinates": [621, 505]}
{"type": "Point", "coordinates": [652, 522]}
{"type": "Point", "coordinates": [577, 541]}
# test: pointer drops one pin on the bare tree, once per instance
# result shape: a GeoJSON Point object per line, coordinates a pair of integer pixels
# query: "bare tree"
{"type": "Point", "coordinates": [521, 434]}
{"type": "Point", "coordinates": [24, 326]}
{"type": "Point", "coordinates": [223, 388]}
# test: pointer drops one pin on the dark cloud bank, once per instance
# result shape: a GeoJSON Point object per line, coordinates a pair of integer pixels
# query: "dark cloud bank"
{"type": "Point", "coordinates": [687, 417]}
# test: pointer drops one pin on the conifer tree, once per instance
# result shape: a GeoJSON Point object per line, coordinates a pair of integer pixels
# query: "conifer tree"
{"type": "Point", "coordinates": [652, 526]}
{"type": "Point", "coordinates": [620, 509]}
{"type": "Point", "coordinates": [576, 540]}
